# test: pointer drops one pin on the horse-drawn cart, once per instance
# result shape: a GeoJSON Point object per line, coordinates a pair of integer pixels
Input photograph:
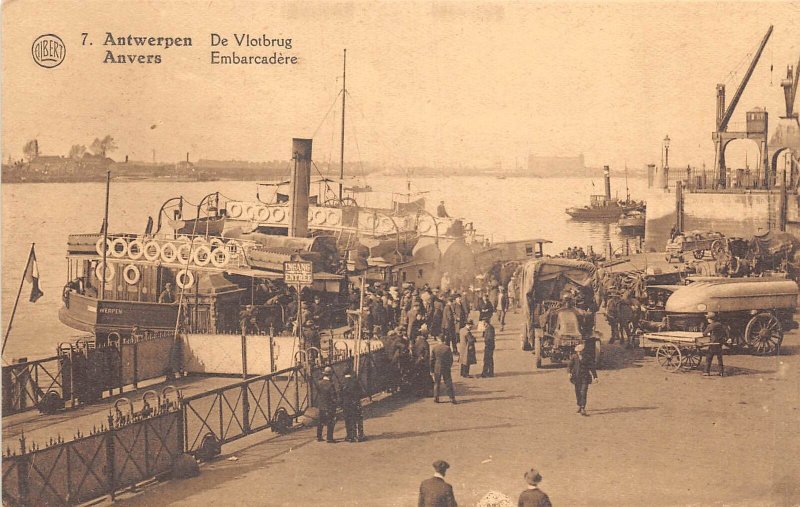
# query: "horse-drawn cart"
{"type": "Point", "coordinates": [676, 350]}
{"type": "Point", "coordinates": [698, 243]}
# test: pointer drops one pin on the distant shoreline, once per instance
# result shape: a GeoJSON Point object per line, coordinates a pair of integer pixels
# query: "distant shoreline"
{"type": "Point", "coordinates": [191, 179]}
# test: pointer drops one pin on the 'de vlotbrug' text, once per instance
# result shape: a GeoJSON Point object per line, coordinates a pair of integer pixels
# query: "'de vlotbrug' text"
{"type": "Point", "coordinates": [270, 51]}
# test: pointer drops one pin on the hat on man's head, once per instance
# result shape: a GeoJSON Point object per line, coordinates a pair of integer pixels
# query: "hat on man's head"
{"type": "Point", "coordinates": [327, 370]}
{"type": "Point", "coordinates": [441, 466]}
{"type": "Point", "coordinates": [533, 477]}
{"type": "Point", "coordinates": [579, 347]}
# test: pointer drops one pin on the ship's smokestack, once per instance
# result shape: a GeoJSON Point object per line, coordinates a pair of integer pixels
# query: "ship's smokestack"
{"type": "Point", "coordinates": [607, 177]}
{"type": "Point", "coordinates": [301, 182]}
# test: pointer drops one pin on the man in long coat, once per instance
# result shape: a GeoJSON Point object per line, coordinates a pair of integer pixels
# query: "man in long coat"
{"type": "Point", "coordinates": [441, 363]}
{"type": "Point", "coordinates": [435, 492]}
{"type": "Point", "coordinates": [449, 324]}
{"type": "Point", "coordinates": [466, 349]}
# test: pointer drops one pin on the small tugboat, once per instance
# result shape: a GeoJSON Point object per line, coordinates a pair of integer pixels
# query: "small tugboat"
{"type": "Point", "coordinates": [604, 207]}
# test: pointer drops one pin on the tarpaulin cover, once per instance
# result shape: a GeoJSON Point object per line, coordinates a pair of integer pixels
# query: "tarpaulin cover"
{"type": "Point", "coordinates": [544, 279]}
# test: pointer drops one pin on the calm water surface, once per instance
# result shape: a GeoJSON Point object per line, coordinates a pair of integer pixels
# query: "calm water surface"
{"type": "Point", "coordinates": [512, 208]}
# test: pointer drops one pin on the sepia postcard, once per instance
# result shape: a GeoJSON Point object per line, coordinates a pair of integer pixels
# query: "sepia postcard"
{"type": "Point", "coordinates": [394, 253]}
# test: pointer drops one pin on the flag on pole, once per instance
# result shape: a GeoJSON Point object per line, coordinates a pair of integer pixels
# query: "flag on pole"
{"type": "Point", "coordinates": [32, 277]}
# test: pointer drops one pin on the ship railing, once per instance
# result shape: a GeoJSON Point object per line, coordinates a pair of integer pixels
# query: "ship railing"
{"type": "Point", "coordinates": [276, 400]}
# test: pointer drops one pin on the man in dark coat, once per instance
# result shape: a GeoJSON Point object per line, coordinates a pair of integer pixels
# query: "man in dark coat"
{"type": "Point", "coordinates": [533, 496]}
{"type": "Point", "coordinates": [422, 358]}
{"type": "Point", "coordinates": [581, 371]}
{"type": "Point", "coordinates": [485, 308]}
{"type": "Point", "coordinates": [488, 350]}
{"type": "Point", "coordinates": [351, 407]}
{"type": "Point", "coordinates": [719, 336]}
{"type": "Point", "coordinates": [449, 324]}
{"type": "Point", "coordinates": [327, 400]}
{"type": "Point", "coordinates": [435, 492]}
{"type": "Point", "coordinates": [441, 363]}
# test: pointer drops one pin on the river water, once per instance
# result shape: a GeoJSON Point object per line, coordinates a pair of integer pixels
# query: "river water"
{"type": "Point", "coordinates": [504, 209]}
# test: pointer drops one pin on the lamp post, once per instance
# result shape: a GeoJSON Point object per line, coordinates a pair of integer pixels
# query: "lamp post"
{"type": "Point", "coordinates": [666, 152]}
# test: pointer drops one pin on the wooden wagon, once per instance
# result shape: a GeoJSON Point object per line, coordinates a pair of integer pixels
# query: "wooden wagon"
{"type": "Point", "coordinates": [676, 350]}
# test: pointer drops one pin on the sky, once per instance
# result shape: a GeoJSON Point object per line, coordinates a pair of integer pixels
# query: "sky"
{"type": "Point", "coordinates": [429, 83]}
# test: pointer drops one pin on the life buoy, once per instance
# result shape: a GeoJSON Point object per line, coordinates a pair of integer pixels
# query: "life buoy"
{"type": "Point", "coordinates": [262, 214]}
{"type": "Point", "coordinates": [386, 224]}
{"type": "Point", "coordinates": [202, 256]}
{"type": "Point", "coordinates": [152, 251]}
{"type": "Point", "coordinates": [250, 212]}
{"type": "Point", "coordinates": [168, 252]}
{"type": "Point", "coordinates": [184, 279]}
{"type": "Point", "coordinates": [371, 222]}
{"type": "Point", "coordinates": [98, 271]}
{"type": "Point", "coordinates": [183, 239]}
{"type": "Point", "coordinates": [119, 248]}
{"type": "Point", "coordinates": [278, 214]}
{"type": "Point", "coordinates": [319, 217]}
{"type": "Point", "coordinates": [135, 249]}
{"type": "Point", "coordinates": [424, 226]}
{"type": "Point", "coordinates": [216, 243]}
{"type": "Point", "coordinates": [99, 245]}
{"type": "Point", "coordinates": [219, 257]}
{"type": "Point", "coordinates": [333, 218]}
{"type": "Point", "coordinates": [184, 252]}
{"type": "Point", "coordinates": [131, 274]}
{"type": "Point", "coordinates": [235, 210]}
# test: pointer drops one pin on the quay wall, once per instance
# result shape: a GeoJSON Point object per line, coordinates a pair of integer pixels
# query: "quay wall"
{"type": "Point", "coordinates": [741, 214]}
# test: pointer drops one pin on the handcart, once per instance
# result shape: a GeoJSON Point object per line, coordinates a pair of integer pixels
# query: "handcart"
{"type": "Point", "coordinates": [676, 350]}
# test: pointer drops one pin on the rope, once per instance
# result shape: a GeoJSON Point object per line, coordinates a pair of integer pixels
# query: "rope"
{"type": "Point", "coordinates": [326, 115]}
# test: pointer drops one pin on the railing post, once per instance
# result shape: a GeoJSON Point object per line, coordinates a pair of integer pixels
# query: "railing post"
{"type": "Point", "coordinates": [180, 427]}
{"type": "Point", "coordinates": [135, 363]}
{"type": "Point", "coordinates": [23, 472]}
{"type": "Point", "coordinates": [109, 468]}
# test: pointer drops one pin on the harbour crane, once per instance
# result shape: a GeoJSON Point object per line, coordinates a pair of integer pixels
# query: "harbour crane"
{"type": "Point", "coordinates": [721, 136]}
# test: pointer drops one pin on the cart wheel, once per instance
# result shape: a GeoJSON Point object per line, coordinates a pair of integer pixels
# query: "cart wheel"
{"type": "Point", "coordinates": [764, 334]}
{"type": "Point", "coordinates": [668, 356]}
{"type": "Point", "coordinates": [717, 249]}
{"type": "Point", "coordinates": [699, 254]}
{"type": "Point", "coordinates": [691, 359]}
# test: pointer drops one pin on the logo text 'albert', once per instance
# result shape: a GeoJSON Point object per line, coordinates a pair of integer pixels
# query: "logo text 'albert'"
{"type": "Point", "coordinates": [48, 51]}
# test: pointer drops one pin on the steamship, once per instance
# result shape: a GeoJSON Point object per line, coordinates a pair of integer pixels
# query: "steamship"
{"type": "Point", "coordinates": [604, 207]}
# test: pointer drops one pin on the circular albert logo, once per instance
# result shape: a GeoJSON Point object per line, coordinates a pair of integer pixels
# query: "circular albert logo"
{"type": "Point", "coordinates": [48, 51]}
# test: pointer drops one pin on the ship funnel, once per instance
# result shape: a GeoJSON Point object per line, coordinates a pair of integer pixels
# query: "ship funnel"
{"type": "Point", "coordinates": [607, 178]}
{"type": "Point", "coordinates": [301, 182]}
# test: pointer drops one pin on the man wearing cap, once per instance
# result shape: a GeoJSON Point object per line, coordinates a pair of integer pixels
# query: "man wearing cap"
{"type": "Point", "coordinates": [466, 349]}
{"type": "Point", "coordinates": [533, 496]}
{"type": "Point", "coordinates": [327, 400]}
{"type": "Point", "coordinates": [719, 335]}
{"type": "Point", "coordinates": [441, 363]}
{"type": "Point", "coordinates": [435, 492]}
{"type": "Point", "coordinates": [581, 371]}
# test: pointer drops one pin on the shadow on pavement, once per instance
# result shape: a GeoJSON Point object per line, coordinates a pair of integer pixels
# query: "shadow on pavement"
{"type": "Point", "coordinates": [619, 410]}
{"type": "Point", "coordinates": [522, 373]}
{"type": "Point", "coordinates": [392, 435]}
{"type": "Point", "coordinates": [614, 357]}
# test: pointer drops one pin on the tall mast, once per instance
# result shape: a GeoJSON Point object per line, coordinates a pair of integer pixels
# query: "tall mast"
{"type": "Point", "coordinates": [344, 99]}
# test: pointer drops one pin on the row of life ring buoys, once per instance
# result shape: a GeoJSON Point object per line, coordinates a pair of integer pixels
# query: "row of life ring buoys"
{"type": "Point", "coordinates": [321, 216]}
{"type": "Point", "coordinates": [184, 279]}
{"type": "Point", "coordinates": [256, 212]}
{"type": "Point", "coordinates": [216, 251]}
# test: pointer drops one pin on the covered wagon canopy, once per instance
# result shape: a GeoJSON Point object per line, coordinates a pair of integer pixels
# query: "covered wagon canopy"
{"type": "Point", "coordinates": [544, 279]}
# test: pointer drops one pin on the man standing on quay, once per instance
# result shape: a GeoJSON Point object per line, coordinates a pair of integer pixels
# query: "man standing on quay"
{"type": "Point", "coordinates": [488, 350]}
{"type": "Point", "coordinates": [582, 371]}
{"type": "Point", "coordinates": [441, 362]}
